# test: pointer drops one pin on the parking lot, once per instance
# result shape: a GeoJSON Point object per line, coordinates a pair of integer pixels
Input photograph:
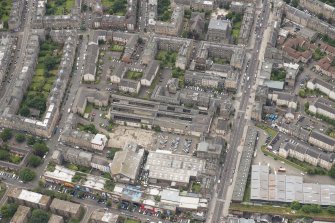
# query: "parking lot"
{"type": "Point", "coordinates": [176, 143]}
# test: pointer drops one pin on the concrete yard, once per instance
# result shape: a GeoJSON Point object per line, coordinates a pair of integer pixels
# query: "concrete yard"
{"type": "Point", "coordinates": [123, 134]}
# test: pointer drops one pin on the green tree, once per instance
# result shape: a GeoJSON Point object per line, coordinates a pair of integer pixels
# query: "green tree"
{"type": "Point", "coordinates": [295, 3]}
{"type": "Point", "coordinates": [295, 205]}
{"type": "Point", "coordinates": [34, 160]}
{"type": "Point", "coordinates": [27, 175]}
{"type": "Point", "coordinates": [20, 138]}
{"type": "Point", "coordinates": [8, 210]}
{"type": "Point", "coordinates": [31, 140]}
{"type": "Point", "coordinates": [6, 135]}
{"type": "Point", "coordinates": [4, 155]}
{"type": "Point", "coordinates": [332, 172]}
{"type": "Point", "coordinates": [40, 149]}
{"type": "Point", "coordinates": [24, 111]}
{"type": "Point", "coordinates": [311, 208]}
{"type": "Point", "coordinates": [331, 209]}
{"type": "Point", "coordinates": [39, 216]}
{"type": "Point", "coordinates": [302, 93]}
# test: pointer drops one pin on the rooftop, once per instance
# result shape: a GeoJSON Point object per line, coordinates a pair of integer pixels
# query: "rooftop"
{"type": "Point", "coordinates": [65, 206]}
{"type": "Point", "coordinates": [219, 24]}
{"type": "Point", "coordinates": [173, 167]}
{"type": "Point", "coordinates": [104, 216]}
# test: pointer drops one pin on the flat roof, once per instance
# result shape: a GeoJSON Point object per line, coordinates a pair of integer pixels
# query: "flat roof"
{"type": "Point", "coordinates": [61, 173]}
{"type": "Point", "coordinates": [288, 188]}
{"type": "Point", "coordinates": [173, 167]}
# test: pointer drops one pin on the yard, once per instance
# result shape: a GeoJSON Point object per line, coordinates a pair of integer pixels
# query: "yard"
{"type": "Point", "coordinates": [318, 54]}
{"type": "Point", "coordinates": [134, 75]}
{"type": "Point", "coordinates": [87, 128]}
{"type": "Point", "coordinates": [278, 74]}
{"type": "Point", "coordinates": [166, 58]}
{"type": "Point", "coordinates": [45, 74]}
{"type": "Point", "coordinates": [196, 187]}
{"type": "Point", "coordinates": [89, 108]}
{"type": "Point", "coordinates": [116, 48]}
{"type": "Point", "coordinates": [59, 7]}
{"type": "Point", "coordinates": [164, 10]}
{"type": "Point", "coordinates": [5, 8]}
{"type": "Point", "coordinates": [236, 19]}
{"type": "Point", "coordinates": [114, 7]}
{"type": "Point", "coordinates": [222, 61]}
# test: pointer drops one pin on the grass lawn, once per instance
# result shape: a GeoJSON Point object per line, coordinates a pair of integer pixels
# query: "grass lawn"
{"type": "Point", "coordinates": [167, 58]}
{"type": "Point", "coordinates": [59, 7]}
{"type": "Point", "coordinates": [116, 48]}
{"type": "Point", "coordinates": [132, 221]}
{"type": "Point", "coordinates": [285, 211]}
{"type": "Point", "coordinates": [196, 188]}
{"type": "Point", "coordinates": [134, 75]}
{"type": "Point", "coordinates": [5, 8]}
{"type": "Point", "coordinates": [235, 32]}
{"type": "Point", "coordinates": [89, 108]}
{"type": "Point", "coordinates": [271, 132]}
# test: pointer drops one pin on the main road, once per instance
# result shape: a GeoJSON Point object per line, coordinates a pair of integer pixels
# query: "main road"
{"type": "Point", "coordinates": [227, 172]}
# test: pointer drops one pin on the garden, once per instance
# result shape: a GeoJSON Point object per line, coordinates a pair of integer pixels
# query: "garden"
{"type": "Point", "coordinates": [45, 74]}
{"type": "Point", "coordinates": [115, 7]}
{"type": "Point", "coordinates": [59, 7]}
{"type": "Point", "coordinates": [5, 8]}
{"type": "Point", "coordinates": [166, 58]}
{"type": "Point", "coordinates": [116, 48]}
{"type": "Point", "coordinates": [134, 75]}
{"type": "Point", "coordinates": [278, 74]}
{"type": "Point", "coordinates": [164, 10]}
{"type": "Point", "coordinates": [236, 19]}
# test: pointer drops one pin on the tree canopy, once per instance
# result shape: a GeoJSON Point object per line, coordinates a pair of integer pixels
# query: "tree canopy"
{"type": "Point", "coordinates": [27, 175]}
{"type": "Point", "coordinates": [8, 210]}
{"type": "Point", "coordinates": [20, 137]}
{"type": "Point", "coordinates": [39, 216]}
{"type": "Point", "coordinates": [6, 135]}
{"type": "Point", "coordinates": [34, 161]}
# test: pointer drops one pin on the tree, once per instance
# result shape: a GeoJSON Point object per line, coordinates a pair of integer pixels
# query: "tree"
{"type": "Point", "coordinates": [40, 149]}
{"type": "Point", "coordinates": [50, 62]}
{"type": "Point", "coordinates": [20, 138]}
{"type": "Point", "coordinates": [34, 161]}
{"type": "Point", "coordinates": [295, 205]}
{"type": "Point", "coordinates": [311, 208]}
{"type": "Point", "coordinates": [24, 111]}
{"type": "Point", "coordinates": [108, 203]}
{"type": "Point", "coordinates": [332, 172]}
{"type": "Point", "coordinates": [39, 216]}
{"type": "Point", "coordinates": [6, 135]}
{"type": "Point", "coordinates": [331, 209]}
{"type": "Point", "coordinates": [295, 3]}
{"type": "Point", "coordinates": [302, 93]}
{"type": "Point", "coordinates": [31, 140]}
{"type": "Point", "coordinates": [8, 210]}
{"type": "Point", "coordinates": [4, 155]}
{"type": "Point", "coordinates": [27, 175]}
